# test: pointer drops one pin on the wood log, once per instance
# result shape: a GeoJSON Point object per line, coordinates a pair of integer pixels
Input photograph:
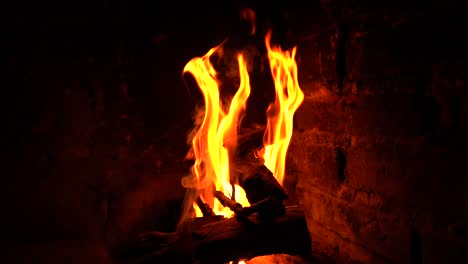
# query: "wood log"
{"type": "Point", "coordinates": [247, 169]}
{"type": "Point", "coordinates": [226, 202]}
{"type": "Point", "coordinates": [259, 184]}
{"type": "Point", "coordinates": [247, 139]}
{"type": "Point", "coordinates": [209, 240]}
{"type": "Point", "coordinates": [204, 207]}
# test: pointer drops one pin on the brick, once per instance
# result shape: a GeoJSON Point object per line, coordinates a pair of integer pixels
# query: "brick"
{"type": "Point", "coordinates": [365, 122]}
{"type": "Point", "coordinates": [355, 229]}
{"type": "Point", "coordinates": [395, 85]}
{"type": "Point", "coordinates": [314, 137]}
{"type": "Point", "coordinates": [322, 116]}
{"type": "Point", "coordinates": [323, 210]}
{"type": "Point", "coordinates": [327, 242]}
{"type": "Point", "coordinates": [403, 171]}
{"type": "Point", "coordinates": [320, 90]}
{"type": "Point", "coordinates": [322, 169]}
{"type": "Point", "coordinates": [315, 158]}
{"type": "Point", "coordinates": [316, 58]}
{"type": "Point", "coordinates": [406, 172]}
{"type": "Point", "coordinates": [363, 198]}
{"type": "Point", "coordinates": [394, 170]}
{"type": "Point", "coordinates": [365, 115]}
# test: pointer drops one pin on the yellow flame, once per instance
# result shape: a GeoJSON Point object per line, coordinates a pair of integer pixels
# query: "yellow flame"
{"type": "Point", "coordinates": [289, 97]}
{"type": "Point", "coordinates": [198, 212]}
{"type": "Point", "coordinates": [211, 166]}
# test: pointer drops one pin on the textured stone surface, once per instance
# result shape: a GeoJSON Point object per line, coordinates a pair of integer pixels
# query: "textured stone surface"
{"type": "Point", "coordinates": [100, 111]}
{"type": "Point", "coordinates": [379, 155]}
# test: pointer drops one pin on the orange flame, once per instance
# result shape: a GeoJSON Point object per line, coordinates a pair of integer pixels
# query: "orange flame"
{"type": "Point", "coordinates": [289, 97]}
{"type": "Point", "coordinates": [211, 166]}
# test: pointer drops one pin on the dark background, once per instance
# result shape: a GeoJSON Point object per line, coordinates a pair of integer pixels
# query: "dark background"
{"type": "Point", "coordinates": [96, 110]}
{"type": "Point", "coordinates": [96, 115]}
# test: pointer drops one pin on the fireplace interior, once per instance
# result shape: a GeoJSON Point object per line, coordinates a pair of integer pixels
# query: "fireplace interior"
{"type": "Point", "coordinates": [95, 135]}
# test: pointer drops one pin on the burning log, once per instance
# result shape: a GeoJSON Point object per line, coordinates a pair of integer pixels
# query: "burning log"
{"type": "Point", "coordinates": [249, 140]}
{"type": "Point", "coordinates": [210, 240]}
{"type": "Point", "coordinates": [261, 187]}
{"type": "Point", "coordinates": [263, 207]}
{"type": "Point", "coordinates": [248, 170]}
{"type": "Point", "coordinates": [257, 207]}
{"type": "Point", "coordinates": [204, 207]}
{"type": "Point", "coordinates": [263, 191]}
{"type": "Point", "coordinates": [227, 202]}
{"type": "Point", "coordinates": [269, 194]}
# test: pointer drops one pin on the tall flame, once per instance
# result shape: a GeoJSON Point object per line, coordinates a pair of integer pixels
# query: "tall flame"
{"type": "Point", "coordinates": [211, 166]}
{"type": "Point", "coordinates": [289, 97]}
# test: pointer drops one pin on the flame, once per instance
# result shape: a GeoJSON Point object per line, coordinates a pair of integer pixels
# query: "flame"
{"type": "Point", "coordinates": [220, 122]}
{"type": "Point", "coordinates": [211, 166]}
{"type": "Point", "coordinates": [289, 97]}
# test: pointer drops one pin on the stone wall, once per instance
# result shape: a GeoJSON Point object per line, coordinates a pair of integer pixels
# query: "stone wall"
{"type": "Point", "coordinates": [379, 148]}
{"type": "Point", "coordinates": [96, 134]}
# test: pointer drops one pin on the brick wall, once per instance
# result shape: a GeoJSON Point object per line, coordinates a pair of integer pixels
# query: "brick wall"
{"type": "Point", "coordinates": [379, 146]}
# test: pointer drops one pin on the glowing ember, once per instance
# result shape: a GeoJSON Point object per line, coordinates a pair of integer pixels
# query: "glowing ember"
{"type": "Point", "coordinates": [289, 97]}
{"type": "Point", "coordinates": [222, 122]}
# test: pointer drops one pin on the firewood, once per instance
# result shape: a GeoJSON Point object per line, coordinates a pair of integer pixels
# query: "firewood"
{"type": "Point", "coordinates": [247, 169]}
{"type": "Point", "coordinates": [249, 140]}
{"type": "Point", "coordinates": [204, 207]}
{"type": "Point", "coordinates": [227, 202]}
{"type": "Point", "coordinates": [220, 241]}
{"type": "Point", "coordinates": [259, 184]}
{"type": "Point", "coordinates": [241, 211]}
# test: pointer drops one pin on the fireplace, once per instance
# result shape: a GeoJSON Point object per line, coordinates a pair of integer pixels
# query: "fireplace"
{"type": "Point", "coordinates": [97, 138]}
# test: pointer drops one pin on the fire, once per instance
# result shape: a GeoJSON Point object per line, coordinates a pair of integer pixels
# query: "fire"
{"type": "Point", "coordinates": [211, 166]}
{"type": "Point", "coordinates": [289, 97]}
{"type": "Point", "coordinates": [222, 122]}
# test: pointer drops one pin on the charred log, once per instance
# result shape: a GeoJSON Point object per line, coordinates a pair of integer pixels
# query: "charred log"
{"type": "Point", "coordinates": [227, 202]}
{"type": "Point", "coordinates": [249, 140]}
{"type": "Point", "coordinates": [261, 187]}
{"type": "Point", "coordinates": [204, 207]}
{"type": "Point", "coordinates": [247, 169]}
{"type": "Point", "coordinates": [262, 206]}
{"type": "Point", "coordinates": [210, 240]}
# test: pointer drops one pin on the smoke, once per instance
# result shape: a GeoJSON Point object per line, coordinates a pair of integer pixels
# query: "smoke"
{"type": "Point", "coordinates": [190, 181]}
{"type": "Point", "coordinates": [249, 15]}
{"type": "Point", "coordinates": [187, 206]}
{"type": "Point", "coordinates": [197, 117]}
